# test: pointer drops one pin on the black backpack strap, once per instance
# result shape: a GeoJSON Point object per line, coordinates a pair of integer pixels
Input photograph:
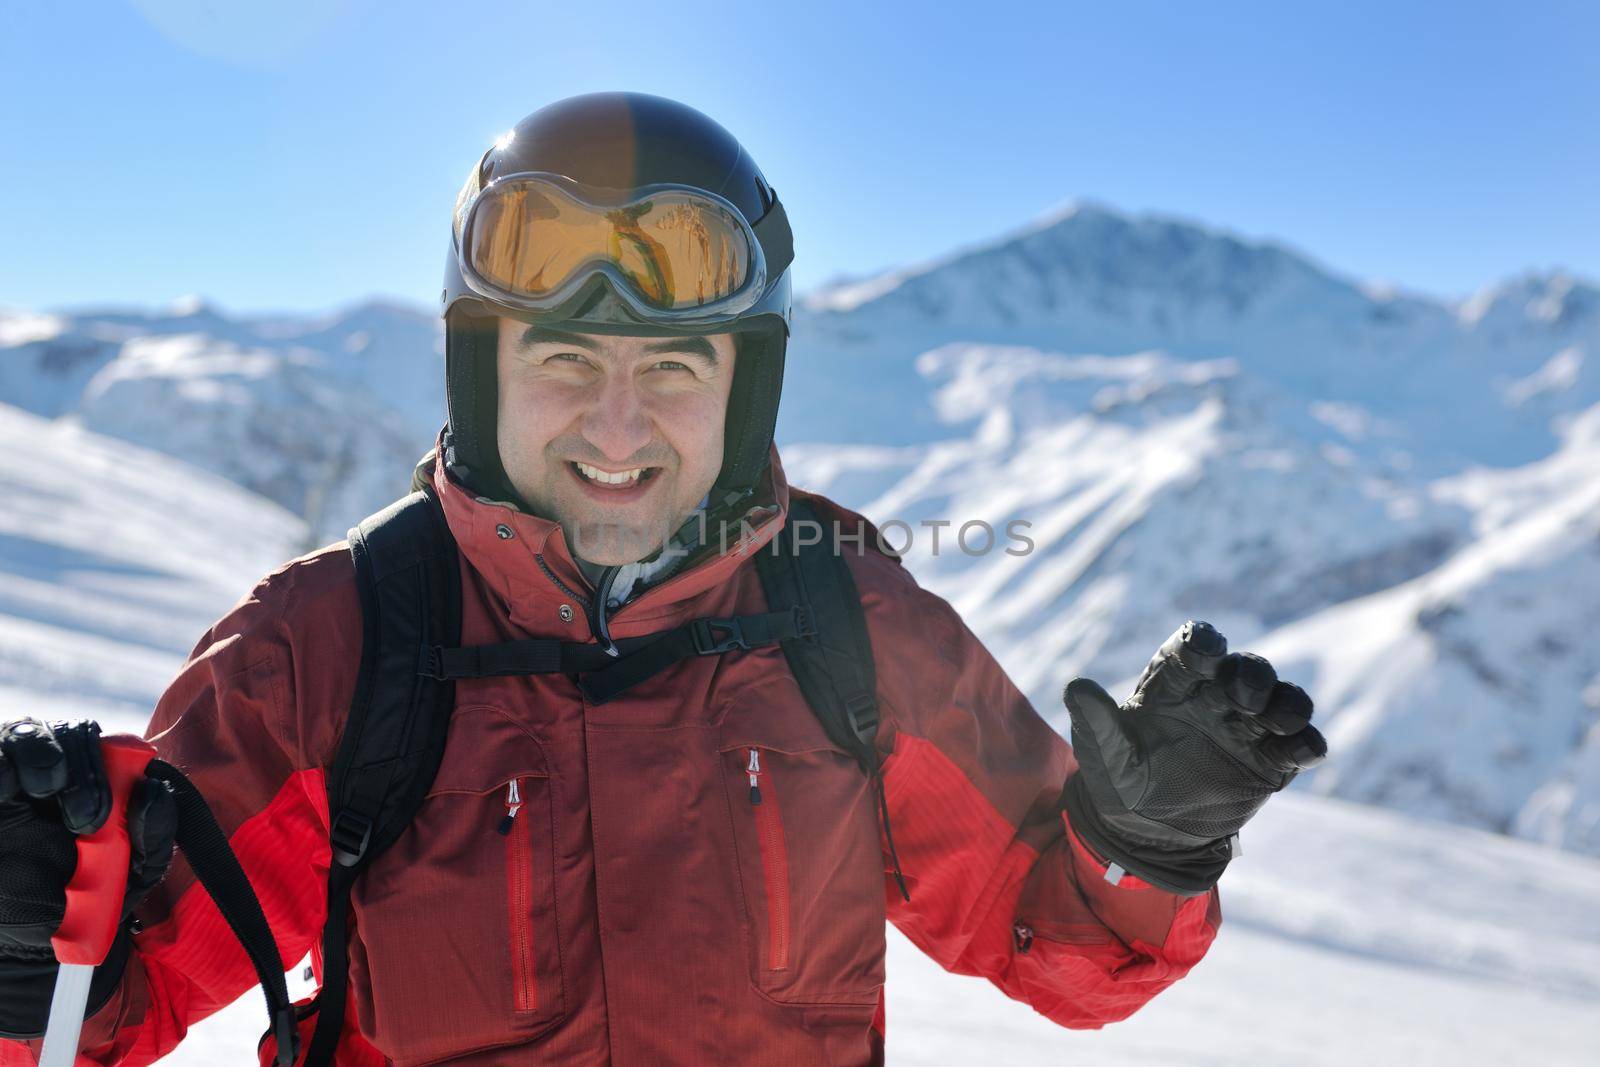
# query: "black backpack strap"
{"type": "Point", "coordinates": [216, 867]}
{"type": "Point", "coordinates": [833, 664]}
{"type": "Point", "coordinates": [409, 581]}
{"type": "Point", "coordinates": [698, 637]}
{"type": "Point", "coordinates": [603, 676]}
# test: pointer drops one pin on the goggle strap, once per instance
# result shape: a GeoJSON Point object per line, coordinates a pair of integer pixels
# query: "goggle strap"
{"type": "Point", "coordinates": [777, 240]}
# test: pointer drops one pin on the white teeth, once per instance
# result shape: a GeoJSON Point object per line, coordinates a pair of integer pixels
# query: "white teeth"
{"type": "Point", "coordinates": [595, 474]}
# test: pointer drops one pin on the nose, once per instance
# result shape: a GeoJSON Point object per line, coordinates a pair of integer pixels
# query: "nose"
{"type": "Point", "coordinates": [616, 421]}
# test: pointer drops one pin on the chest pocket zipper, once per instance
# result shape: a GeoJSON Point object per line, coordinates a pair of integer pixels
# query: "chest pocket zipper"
{"type": "Point", "coordinates": [519, 899]}
{"type": "Point", "coordinates": [774, 860]}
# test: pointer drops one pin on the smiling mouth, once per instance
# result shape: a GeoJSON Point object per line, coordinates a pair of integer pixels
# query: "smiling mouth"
{"type": "Point", "coordinates": [613, 480]}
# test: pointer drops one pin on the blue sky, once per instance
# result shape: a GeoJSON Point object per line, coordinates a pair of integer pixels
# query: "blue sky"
{"type": "Point", "coordinates": [303, 155]}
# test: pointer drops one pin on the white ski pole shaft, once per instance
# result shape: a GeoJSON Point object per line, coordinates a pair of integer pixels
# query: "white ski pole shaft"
{"type": "Point", "coordinates": [67, 1005]}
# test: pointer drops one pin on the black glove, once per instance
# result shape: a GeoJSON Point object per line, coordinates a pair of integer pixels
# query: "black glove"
{"type": "Point", "coordinates": [1165, 781]}
{"type": "Point", "coordinates": [53, 787]}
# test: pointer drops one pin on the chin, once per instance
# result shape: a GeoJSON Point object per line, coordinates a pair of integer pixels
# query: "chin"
{"type": "Point", "coordinates": [609, 546]}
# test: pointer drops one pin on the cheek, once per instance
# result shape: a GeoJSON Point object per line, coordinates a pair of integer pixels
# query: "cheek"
{"type": "Point", "coordinates": [692, 425]}
{"type": "Point", "coordinates": [529, 417]}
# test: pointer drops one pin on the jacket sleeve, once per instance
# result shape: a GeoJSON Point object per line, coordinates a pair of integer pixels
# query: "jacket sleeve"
{"type": "Point", "coordinates": [234, 720]}
{"type": "Point", "coordinates": [1000, 885]}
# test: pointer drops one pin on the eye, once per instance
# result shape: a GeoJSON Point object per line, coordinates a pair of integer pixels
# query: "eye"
{"type": "Point", "coordinates": [671, 364]}
{"type": "Point", "coordinates": [565, 357]}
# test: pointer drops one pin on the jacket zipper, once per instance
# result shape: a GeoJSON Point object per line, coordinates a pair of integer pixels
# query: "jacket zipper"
{"type": "Point", "coordinates": [597, 611]}
{"type": "Point", "coordinates": [774, 861]}
{"type": "Point", "coordinates": [601, 626]}
{"type": "Point", "coordinates": [593, 609]}
{"type": "Point", "coordinates": [519, 899]}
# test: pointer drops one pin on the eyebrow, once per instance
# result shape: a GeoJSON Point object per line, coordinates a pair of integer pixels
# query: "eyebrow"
{"type": "Point", "coordinates": [691, 345]}
{"type": "Point", "coordinates": [534, 335]}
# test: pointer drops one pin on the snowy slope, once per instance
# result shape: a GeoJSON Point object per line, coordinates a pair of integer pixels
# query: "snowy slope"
{"type": "Point", "coordinates": [1473, 691]}
{"type": "Point", "coordinates": [1153, 488]}
{"type": "Point", "coordinates": [1350, 935]}
{"type": "Point", "coordinates": [1444, 627]}
{"type": "Point", "coordinates": [1199, 425]}
{"type": "Point", "coordinates": [113, 561]}
{"type": "Point", "coordinates": [274, 423]}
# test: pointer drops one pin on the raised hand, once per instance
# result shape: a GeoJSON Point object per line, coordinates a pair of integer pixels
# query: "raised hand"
{"type": "Point", "coordinates": [1167, 779]}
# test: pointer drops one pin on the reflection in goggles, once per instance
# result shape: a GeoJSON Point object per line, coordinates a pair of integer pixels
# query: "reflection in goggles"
{"type": "Point", "coordinates": [676, 249]}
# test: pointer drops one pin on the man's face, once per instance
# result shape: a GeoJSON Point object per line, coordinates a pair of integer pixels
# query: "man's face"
{"type": "Point", "coordinates": [618, 439]}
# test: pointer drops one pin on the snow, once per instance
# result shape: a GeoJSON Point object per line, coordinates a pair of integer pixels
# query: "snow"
{"type": "Point", "coordinates": [324, 416]}
{"type": "Point", "coordinates": [113, 561]}
{"type": "Point", "coordinates": [1559, 374]}
{"type": "Point", "coordinates": [1350, 935]}
{"type": "Point", "coordinates": [1393, 497]}
{"type": "Point", "coordinates": [850, 295]}
{"type": "Point", "coordinates": [1458, 693]}
{"type": "Point", "coordinates": [1090, 279]}
{"type": "Point", "coordinates": [24, 328]}
{"type": "Point", "coordinates": [1144, 481]}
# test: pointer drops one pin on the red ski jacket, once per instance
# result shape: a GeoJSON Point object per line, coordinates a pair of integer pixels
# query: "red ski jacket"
{"type": "Point", "coordinates": [641, 911]}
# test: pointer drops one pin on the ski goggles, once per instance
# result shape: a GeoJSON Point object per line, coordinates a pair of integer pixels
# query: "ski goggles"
{"type": "Point", "coordinates": [673, 253]}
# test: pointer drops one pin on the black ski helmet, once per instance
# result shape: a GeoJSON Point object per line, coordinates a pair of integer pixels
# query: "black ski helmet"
{"type": "Point", "coordinates": [621, 141]}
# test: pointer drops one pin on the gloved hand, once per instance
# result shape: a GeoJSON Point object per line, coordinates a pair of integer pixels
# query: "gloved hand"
{"type": "Point", "coordinates": [53, 787]}
{"type": "Point", "coordinates": [1166, 780]}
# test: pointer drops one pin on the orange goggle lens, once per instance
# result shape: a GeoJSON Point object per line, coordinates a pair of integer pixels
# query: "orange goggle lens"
{"type": "Point", "coordinates": [676, 249]}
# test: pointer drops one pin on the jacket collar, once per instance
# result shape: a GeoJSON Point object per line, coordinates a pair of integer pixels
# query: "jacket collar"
{"type": "Point", "coordinates": [525, 562]}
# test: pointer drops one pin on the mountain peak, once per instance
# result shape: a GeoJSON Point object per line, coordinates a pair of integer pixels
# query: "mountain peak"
{"type": "Point", "coordinates": [191, 305]}
{"type": "Point", "coordinates": [1552, 298]}
{"type": "Point", "coordinates": [1084, 264]}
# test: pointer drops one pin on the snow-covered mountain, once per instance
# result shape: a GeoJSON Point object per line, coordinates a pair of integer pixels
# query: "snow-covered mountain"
{"type": "Point", "coordinates": [1397, 498]}
{"type": "Point", "coordinates": [1472, 692]}
{"type": "Point", "coordinates": [1446, 383]}
{"type": "Point", "coordinates": [1393, 494]}
{"type": "Point", "coordinates": [1444, 627]}
{"type": "Point", "coordinates": [321, 415]}
{"type": "Point", "coordinates": [1153, 489]}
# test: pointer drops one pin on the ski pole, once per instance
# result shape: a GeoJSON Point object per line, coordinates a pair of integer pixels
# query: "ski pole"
{"type": "Point", "coordinates": [94, 901]}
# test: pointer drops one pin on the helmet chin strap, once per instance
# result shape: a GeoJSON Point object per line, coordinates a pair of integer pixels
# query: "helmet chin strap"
{"type": "Point", "coordinates": [471, 445]}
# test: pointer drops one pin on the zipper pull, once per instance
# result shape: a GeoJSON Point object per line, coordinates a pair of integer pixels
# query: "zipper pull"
{"type": "Point", "coordinates": [754, 770]}
{"type": "Point", "coordinates": [513, 805]}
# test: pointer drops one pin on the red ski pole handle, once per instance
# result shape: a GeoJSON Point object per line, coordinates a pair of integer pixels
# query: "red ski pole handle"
{"type": "Point", "coordinates": [95, 894]}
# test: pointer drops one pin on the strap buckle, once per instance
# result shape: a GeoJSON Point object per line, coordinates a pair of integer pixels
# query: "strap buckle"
{"type": "Point", "coordinates": [707, 643]}
{"type": "Point", "coordinates": [805, 625]}
{"type": "Point", "coordinates": [350, 835]}
{"type": "Point", "coordinates": [286, 1033]}
{"type": "Point", "coordinates": [432, 663]}
{"type": "Point", "coordinates": [862, 711]}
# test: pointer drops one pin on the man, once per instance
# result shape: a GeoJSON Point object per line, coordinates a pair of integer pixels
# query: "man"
{"type": "Point", "coordinates": [692, 872]}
